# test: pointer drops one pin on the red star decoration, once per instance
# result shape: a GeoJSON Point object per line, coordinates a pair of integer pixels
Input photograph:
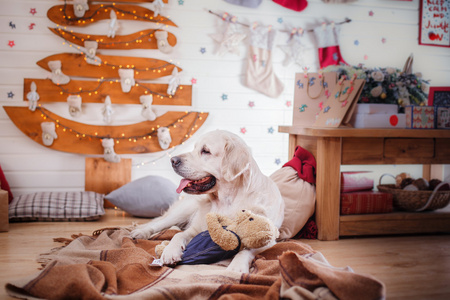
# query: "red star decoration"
{"type": "Point", "coordinates": [243, 130]}
{"type": "Point", "coordinates": [193, 81]}
{"type": "Point", "coordinates": [33, 11]}
{"type": "Point", "coordinates": [288, 103]}
{"type": "Point", "coordinates": [371, 13]}
{"type": "Point", "coordinates": [11, 44]}
{"type": "Point", "coordinates": [251, 104]}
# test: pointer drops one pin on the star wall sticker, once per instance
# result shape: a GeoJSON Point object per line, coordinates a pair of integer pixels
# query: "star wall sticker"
{"type": "Point", "coordinates": [277, 161]}
{"type": "Point", "coordinates": [11, 44]}
{"type": "Point", "coordinates": [383, 40]}
{"type": "Point", "coordinates": [251, 104]}
{"type": "Point", "coordinates": [10, 95]}
{"type": "Point", "coordinates": [280, 20]}
{"type": "Point", "coordinates": [243, 130]}
{"type": "Point", "coordinates": [224, 97]}
{"type": "Point", "coordinates": [12, 25]}
{"type": "Point", "coordinates": [202, 50]}
{"type": "Point", "coordinates": [31, 26]}
{"type": "Point", "coordinates": [356, 42]}
{"type": "Point", "coordinates": [371, 13]}
{"type": "Point", "coordinates": [33, 11]}
{"type": "Point", "coordinates": [180, 2]}
{"type": "Point", "coordinates": [193, 81]}
{"type": "Point", "coordinates": [270, 130]}
{"type": "Point", "coordinates": [288, 103]}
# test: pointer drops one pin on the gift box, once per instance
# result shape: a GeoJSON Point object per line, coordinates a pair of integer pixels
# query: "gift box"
{"type": "Point", "coordinates": [378, 120]}
{"type": "Point", "coordinates": [355, 181]}
{"type": "Point", "coordinates": [4, 220]}
{"type": "Point", "coordinates": [443, 117]}
{"type": "Point", "coordinates": [368, 202]}
{"type": "Point", "coordinates": [376, 108]}
{"type": "Point", "coordinates": [419, 117]}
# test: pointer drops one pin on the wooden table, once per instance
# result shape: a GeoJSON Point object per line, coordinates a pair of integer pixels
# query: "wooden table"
{"type": "Point", "coordinates": [333, 147]}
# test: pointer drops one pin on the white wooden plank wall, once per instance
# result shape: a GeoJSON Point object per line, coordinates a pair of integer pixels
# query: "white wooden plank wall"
{"type": "Point", "coordinates": [31, 167]}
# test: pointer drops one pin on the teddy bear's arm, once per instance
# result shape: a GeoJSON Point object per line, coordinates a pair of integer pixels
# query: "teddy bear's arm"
{"type": "Point", "coordinates": [222, 237]}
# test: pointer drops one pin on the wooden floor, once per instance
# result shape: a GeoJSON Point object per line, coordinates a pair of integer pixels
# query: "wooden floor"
{"type": "Point", "coordinates": [411, 267]}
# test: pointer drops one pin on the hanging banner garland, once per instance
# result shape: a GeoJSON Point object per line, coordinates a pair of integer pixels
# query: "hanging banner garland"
{"type": "Point", "coordinates": [64, 14]}
{"type": "Point", "coordinates": [73, 64]}
{"type": "Point", "coordinates": [75, 137]}
{"type": "Point", "coordinates": [144, 39]}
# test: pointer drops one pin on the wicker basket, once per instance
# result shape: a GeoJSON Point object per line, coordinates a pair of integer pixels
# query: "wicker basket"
{"type": "Point", "coordinates": [416, 200]}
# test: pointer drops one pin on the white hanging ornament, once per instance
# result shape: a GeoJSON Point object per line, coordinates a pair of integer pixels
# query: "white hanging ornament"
{"type": "Point", "coordinates": [147, 110]}
{"type": "Point", "coordinates": [33, 97]}
{"type": "Point", "coordinates": [108, 151]}
{"type": "Point", "coordinates": [74, 102]}
{"type": "Point", "coordinates": [164, 137]}
{"type": "Point", "coordinates": [48, 133]}
{"type": "Point", "coordinates": [80, 7]}
{"type": "Point", "coordinates": [174, 82]}
{"type": "Point", "coordinates": [295, 50]}
{"type": "Point", "coordinates": [126, 79]}
{"type": "Point", "coordinates": [107, 110]}
{"type": "Point", "coordinates": [156, 6]}
{"type": "Point", "coordinates": [113, 24]}
{"type": "Point", "coordinates": [162, 43]}
{"type": "Point", "coordinates": [90, 50]}
{"type": "Point", "coordinates": [57, 76]}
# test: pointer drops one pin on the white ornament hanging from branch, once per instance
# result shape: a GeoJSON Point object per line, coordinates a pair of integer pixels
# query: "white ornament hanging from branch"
{"type": "Point", "coordinates": [162, 43]}
{"type": "Point", "coordinates": [90, 50]}
{"type": "Point", "coordinates": [80, 7]}
{"type": "Point", "coordinates": [108, 151]}
{"type": "Point", "coordinates": [147, 110]}
{"type": "Point", "coordinates": [164, 137]}
{"type": "Point", "coordinates": [126, 79]}
{"type": "Point", "coordinates": [156, 6]}
{"type": "Point", "coordinates": [48, 133]}
{"type": "Point", "coordinates": [57, 76]}
{"type": "Point", "coordinates": [107, 110]}
{"type": "Point", "coordinates": [113, 24]}
{"type": "Point", "coordinates": [74, 102]}
{"type": "Point", "coordinates": [174, 82]}
{"type": "Point", "coordinates": [33, 96]}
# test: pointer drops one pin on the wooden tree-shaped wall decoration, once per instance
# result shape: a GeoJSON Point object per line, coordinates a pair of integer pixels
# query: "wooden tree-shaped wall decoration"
{"type": "Point", "coordinates": [121, 79]}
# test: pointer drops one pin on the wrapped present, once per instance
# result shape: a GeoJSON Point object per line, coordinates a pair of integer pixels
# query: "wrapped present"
{"type": "Point", "coordinates": [368, 202]}
{"type": "Point", "coordinates": [355, 181]}
{"type": "Point", "coordinates": [443, 117]}
{"type": "Point", "coordinates": [4, 220]}
{"type": "Point", "coordinates": [419, 117]}
{"type": "Point", "coordinates": [380, 120]}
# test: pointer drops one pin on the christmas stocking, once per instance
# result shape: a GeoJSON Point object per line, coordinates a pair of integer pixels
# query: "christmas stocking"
{"type": "Point", "coordinates": [327, 37]}
{"type": "Point", "coordinates": [259, 74]}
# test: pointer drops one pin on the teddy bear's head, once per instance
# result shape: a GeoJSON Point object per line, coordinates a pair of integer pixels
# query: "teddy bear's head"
{"type": "Point", "coordinates": [255, 230]}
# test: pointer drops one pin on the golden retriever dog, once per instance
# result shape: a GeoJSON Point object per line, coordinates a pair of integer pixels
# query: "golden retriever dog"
{"type": "Point", "coordinates": [221, 176]}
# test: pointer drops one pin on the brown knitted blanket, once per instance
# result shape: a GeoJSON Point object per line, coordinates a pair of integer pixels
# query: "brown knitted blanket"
{"type": "Point", "coordinates": [113, 266]}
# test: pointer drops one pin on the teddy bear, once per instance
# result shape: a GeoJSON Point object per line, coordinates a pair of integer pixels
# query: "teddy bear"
{"type": "Point", "coordinates": [225, 237]}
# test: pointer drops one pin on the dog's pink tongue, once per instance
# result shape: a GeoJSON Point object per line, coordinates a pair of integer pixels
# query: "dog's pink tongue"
{"type": "Point", "coordinates": [183, 183]}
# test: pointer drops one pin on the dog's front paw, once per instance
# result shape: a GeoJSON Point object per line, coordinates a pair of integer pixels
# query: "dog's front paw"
{"type": "Point", "coordinates": [235, 266]}
{"type": "Point", "coordinates": [172, 254]}
{"type": "Point", "coordinates": [143, 234]}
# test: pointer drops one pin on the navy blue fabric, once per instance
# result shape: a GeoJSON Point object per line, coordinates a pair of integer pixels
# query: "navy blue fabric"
{"type": "Point", "coordinates": [202, 250]}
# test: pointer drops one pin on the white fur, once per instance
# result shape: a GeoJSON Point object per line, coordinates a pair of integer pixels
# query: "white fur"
{"type": "Point", "coordinates": [240, 185]}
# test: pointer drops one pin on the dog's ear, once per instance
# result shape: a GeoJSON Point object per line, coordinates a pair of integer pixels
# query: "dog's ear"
{"type": "Point", "coordinates": [236, 160]}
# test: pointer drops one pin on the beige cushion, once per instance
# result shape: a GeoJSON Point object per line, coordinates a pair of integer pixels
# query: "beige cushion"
{"type": "Point", "coordinates": [299, 199]}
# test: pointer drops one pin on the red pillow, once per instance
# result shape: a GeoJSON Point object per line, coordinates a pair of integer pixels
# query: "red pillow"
{"type": "Point", "coordinates": [5, 185]}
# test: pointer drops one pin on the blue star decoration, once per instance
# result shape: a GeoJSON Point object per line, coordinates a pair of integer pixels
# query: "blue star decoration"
{"type": "Point", "coordinates": [202, 50]}
{"type": "Point", "coordinates": [299, 84]}
{"type": "Point", "coordinates": [224, 97]}
{"type": "Point", "coordinates": [327, 109]}
{"type": "Point", "coordinates": [11, 95]}
{"type": "Point", "coordinates": [277, 161]}
{"type": "Point", "coordinates": [280, 20]}
{"type": "Point", "coordinates": [180, 2]}
{"type": "Point", "coordinates": [270, 130]}
{"type": "Point", "coordinates": [356, 42]}
{"type": "Point", "coordinates": [303, 107]}
{"type": "Point", "coordinates": [12, 25]}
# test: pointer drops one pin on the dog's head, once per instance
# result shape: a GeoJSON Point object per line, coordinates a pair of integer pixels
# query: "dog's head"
{"type": "Point", "coordinates": [218, 157]}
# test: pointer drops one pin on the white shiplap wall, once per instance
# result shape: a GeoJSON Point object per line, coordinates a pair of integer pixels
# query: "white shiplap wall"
{"type": "Point", "coordinates": [31, 167]}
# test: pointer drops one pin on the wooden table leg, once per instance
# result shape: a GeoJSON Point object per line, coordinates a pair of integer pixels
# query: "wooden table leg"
{"type": "Point", "coordinates": [328, 180]}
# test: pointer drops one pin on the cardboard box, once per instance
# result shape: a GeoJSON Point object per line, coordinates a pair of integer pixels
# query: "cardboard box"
{"type": "Point", "coordinates": [4, 213]}
{"type": "Point", "coordinates": [443, 117]}
{"type": "Point", "coordinates": [419, 117]}
{"type": "Point", "coordinates": [379, 120]}
{"type": "Point", "coordinates": [366, 203]}
{"type": "Point", "coordinates": [372, 108]}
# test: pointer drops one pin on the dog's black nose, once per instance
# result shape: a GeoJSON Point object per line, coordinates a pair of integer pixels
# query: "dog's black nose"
{"type": "Point", "coordinates": [176, 161]}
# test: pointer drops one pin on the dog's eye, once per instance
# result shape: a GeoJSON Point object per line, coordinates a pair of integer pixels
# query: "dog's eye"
{"type": "Point", "coordinates": [251, 219]}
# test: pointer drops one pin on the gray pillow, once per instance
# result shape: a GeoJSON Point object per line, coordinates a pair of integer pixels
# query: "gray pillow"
{"type": "Point", "coordinates": [148, 196]}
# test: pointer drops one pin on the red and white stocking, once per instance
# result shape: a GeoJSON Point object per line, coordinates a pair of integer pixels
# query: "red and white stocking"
{"type": "Point", "coordinates": [327, 37]}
